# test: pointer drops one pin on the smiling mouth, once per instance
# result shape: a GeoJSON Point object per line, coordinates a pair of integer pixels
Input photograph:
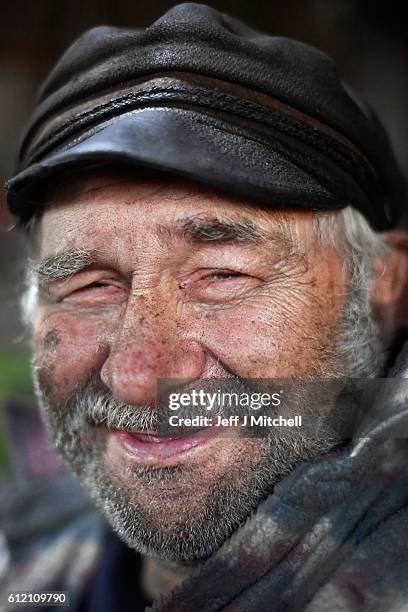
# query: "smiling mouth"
{"type": "Point", "coordinates": [153, 448]}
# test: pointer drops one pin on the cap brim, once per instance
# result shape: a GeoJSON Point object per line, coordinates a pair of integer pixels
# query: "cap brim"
{"type": "Point", "coordinates": [195, 145]}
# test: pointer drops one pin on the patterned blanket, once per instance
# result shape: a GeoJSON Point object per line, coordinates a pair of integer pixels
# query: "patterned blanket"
{"type": "Point", "coordinates": [331, 537]}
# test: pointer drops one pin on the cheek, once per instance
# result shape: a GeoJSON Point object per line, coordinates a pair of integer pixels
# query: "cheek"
{"type": "Point", "coordinates": [272, 337]}
{"type": "Point", "coordinates": [67, 351]}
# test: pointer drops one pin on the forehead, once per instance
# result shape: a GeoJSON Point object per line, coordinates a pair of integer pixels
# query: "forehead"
{"type": "Point", "coordinates": [103, 205]}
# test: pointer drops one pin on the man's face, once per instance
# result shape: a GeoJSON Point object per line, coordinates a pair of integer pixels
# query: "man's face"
{"type": "Point", "coordinates": [144, 280]}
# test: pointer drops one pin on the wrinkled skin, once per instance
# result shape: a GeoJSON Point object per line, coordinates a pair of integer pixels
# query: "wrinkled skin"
{"type": "Point", "coordinates": [162, 294]}
{"type": "Point", "coordinates": [154, 305]}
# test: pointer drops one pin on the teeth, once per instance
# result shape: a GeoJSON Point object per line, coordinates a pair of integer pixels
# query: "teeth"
{"type": "Point", "coordinates": [151, 438]}
{"type": "Point", "coordinates": [157, 438]}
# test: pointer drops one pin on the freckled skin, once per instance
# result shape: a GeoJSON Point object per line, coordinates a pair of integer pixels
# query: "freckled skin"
{"type": "Point", "coordinates": [279, 326]}
{"type": "Point", "coordinates": [161, 324]}
{"type": "Point", "coordinates": [51, 340]}
{"type": "Point", "coordinates": [158, 316]}
{"type": "Point", "coordinates": [152, 314]}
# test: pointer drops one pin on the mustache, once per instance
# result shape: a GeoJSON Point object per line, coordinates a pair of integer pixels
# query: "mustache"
{"type": "Point", "coordinates": [95, 404]}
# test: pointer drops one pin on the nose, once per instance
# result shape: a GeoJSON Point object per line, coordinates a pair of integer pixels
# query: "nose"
{"type": "Point", "coordinates": [148, 348]}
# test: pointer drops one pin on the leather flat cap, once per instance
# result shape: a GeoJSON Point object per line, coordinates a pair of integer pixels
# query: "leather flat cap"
{"type": "Point", "coordinates": [201, 95]}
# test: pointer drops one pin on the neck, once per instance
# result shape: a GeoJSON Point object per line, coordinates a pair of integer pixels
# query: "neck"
{"type": "Point", "coordinates": [160, 577]}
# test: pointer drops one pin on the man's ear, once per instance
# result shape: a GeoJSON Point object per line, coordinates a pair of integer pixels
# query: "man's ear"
{"type": "Point", "coordinates": [389, 285]}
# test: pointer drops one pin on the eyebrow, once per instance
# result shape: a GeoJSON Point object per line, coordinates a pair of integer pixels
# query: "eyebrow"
{"type": "Point", "coordinates": [199, 229]}
{"type": "Point", "coordinates": [64, 264]}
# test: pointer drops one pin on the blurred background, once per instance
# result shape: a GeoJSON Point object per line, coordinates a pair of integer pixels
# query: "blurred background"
{"type": "Point", "coordinates": [367, 39]}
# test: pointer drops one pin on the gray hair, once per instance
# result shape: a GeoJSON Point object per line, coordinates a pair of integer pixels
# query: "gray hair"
{"type": "Point", "coordinates": [355, 241]}
{"type": "Point", "coordinates": [359, 246]}
{"type": "Point", "coordinates": [348, 228]}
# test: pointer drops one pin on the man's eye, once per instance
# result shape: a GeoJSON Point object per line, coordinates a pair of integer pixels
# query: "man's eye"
{"type": "Point", "coordinates": [217, 286]}
{"type": "Point", "coordinates": [95, 292]}
{"type": "Point", "coordinates": [96, 285]}
{"type": "Point", "coordinates": [224, 275]}
{"type": "Point", "coordinates": [92, 286]}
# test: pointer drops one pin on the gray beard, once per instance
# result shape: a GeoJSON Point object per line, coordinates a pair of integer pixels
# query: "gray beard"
{"type": "Point", "coordinates": [196, 532]}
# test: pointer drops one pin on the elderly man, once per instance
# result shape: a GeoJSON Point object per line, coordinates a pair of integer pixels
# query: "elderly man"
{"type": "Point", "coordinates": [207, 203]}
